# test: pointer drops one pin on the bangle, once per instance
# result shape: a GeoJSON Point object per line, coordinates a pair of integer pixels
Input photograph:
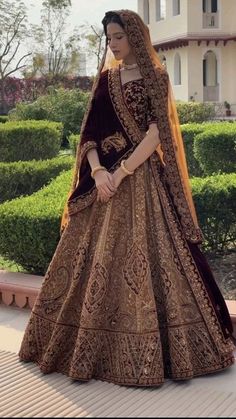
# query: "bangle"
{"type": "Point", "coordinates": [95, 169]}
{"type": "Point", "coordinates": [127, 172]}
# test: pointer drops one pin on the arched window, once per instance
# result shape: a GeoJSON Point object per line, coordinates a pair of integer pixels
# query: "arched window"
{"type": "Point", "coordinates": [160, 9]}
{"type": "Point", "coordinates": [176, 7]}
{"type": "Point", "coordinates": [177, 69]}
{"type": "Point", "coordinates": [210, 69]}
{"type": "Point", "coordinates": [146, 15]}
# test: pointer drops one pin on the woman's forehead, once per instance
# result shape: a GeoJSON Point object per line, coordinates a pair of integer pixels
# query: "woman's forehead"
{"type": "Point", "coordinates": [114, 29]}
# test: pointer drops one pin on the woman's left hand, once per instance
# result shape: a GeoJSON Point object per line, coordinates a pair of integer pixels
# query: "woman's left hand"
{"type": "Point", "coordinates": [118, 176]}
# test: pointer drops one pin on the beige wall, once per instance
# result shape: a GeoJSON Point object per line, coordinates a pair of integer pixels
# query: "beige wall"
{"type": "Point", "coordinates": [190, 22]}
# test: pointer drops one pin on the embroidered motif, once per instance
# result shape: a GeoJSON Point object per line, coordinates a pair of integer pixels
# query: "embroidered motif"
{"type": "Point", "coordinates": [97, 288]}
{"type": "Point", "coordinates": [116, 140]}
{"type": "Point", "coordinates": [136, 268]}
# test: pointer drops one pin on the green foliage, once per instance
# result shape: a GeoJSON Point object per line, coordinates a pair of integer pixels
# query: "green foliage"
{"type": "Point", "coordinates": [215, 200]}
{"type": "Point", "coordinates": [74, 141]}
{"type": "Point", "coordinates": [194, 111]}
{"type": "Point", "coordinates": [189, 132]}
{"type": "Point", "coordinates": [25, 178]}
{"type": "Point", "coordinates": [3, 119]}
{"type": "Point", "coordinates": [61, 105]}
{"type": "Point", "coordinates": [215, 149]}
{"type": "Point", "coordinates": [27, 140]}
{"type": "Point", "coordinates": [30, 226]}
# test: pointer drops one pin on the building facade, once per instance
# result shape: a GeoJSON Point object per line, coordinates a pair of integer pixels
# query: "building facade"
{"type": "Point", "coordinates": [196, 40]}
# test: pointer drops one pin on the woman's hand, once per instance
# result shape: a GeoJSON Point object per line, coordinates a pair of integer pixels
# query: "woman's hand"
{"type": "Point", "coordinates": [105, 185]}
{"type": "Point", "coordinates": [118, 176]}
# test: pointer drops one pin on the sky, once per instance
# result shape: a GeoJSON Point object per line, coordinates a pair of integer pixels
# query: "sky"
{"type": "Point", "coordinates": [82, 12]}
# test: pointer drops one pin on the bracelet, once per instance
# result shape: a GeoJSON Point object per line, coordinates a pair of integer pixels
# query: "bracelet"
{"type": "Point", "coordinates": [122, 165]}
{"type": "Point", "coordinates": [95, 169]}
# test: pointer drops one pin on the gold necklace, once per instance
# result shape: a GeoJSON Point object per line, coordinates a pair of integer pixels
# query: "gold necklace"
{"type": "Point", "coordinates": [129, 66]}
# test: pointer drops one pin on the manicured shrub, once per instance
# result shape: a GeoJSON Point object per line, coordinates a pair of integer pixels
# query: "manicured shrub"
{"type": "Point", "coordinates": [25, 178]}
{"type": "Point", "coordinates": [60, 105]}
{"type": "Point", "coordinates": [3, 119]}
{"type": "Point", "coordinates": [194, 111]}
{"type": "Point", "coordinates": [215, 200]}
{"type": "Point", "coordinates": [30, 226]}
{"type": "Point", "coordinates": [189, 132]}
{"type": "Point", "coordinates": [215, 149]}
{"type": "Point", "coordinates": [28, 140]}
{"type": "Point", "coordinates": [74, 141]}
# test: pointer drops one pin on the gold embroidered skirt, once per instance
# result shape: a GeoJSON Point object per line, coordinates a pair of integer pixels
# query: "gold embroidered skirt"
{"type": "Point", "coordinates": [122, 299]}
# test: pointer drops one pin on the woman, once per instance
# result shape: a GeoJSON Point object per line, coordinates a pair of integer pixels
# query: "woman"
{"type": "Point", "coordinates": [128, 296]}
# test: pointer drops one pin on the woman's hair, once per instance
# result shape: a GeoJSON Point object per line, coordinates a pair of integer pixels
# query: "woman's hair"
{"type": "Point", "coordinates": [111, 17]}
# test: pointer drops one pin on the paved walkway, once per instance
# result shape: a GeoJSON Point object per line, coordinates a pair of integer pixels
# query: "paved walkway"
{"type": "Point", "coordinates": [26, 392]}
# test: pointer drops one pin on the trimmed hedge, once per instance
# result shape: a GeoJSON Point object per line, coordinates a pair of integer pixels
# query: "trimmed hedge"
{"type": "Point", "coordinates": [74, 141]}
{"type": "Point", "coordinates": [60, 105]}
{"type": "Point", "coordinates": [28, 140]}
{"type": "Point", "coordinates": [189, 132]}
{"type": "Point", "coordinates": [215, 200]}
{"type": "Point", "coordinates": [194, 111]}
{"type": "Point", "coordinates": [215, 149]}
{"type": "Point", "coordinates": [30, 226]}
{"type": "Point", "coordinates": [25, 178]}
{"type": "Point", "coordinates": [3, 119]}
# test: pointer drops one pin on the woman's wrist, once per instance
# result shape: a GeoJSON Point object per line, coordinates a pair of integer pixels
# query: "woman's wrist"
{"type": "Point", "coordinates": [124, 168]}
{"type": "Point", "coordinates": [96, 169]}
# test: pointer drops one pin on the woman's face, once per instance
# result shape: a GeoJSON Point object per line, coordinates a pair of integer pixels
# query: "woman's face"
{"type": "Point", "coordinates": [118, 42]}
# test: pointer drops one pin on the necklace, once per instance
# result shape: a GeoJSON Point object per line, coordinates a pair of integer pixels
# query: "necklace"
{"type": "Point", "coordinates": [129, 66]}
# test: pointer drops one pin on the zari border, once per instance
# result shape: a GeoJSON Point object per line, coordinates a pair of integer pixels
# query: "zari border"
{"type": "Point", "coordinates": [121, 110]}
{"type": "Point", "coordinates": [157, 84]}
{"type": "Point", "coordinates": [86, 147]}
{"type": "Point", "coordinates": [190, 269]}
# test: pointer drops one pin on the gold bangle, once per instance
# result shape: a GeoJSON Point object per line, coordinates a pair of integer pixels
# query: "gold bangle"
{"type": "Point", "coordinates": [95, 169]}
{"type": "Point", "coordinates": [127, 172]}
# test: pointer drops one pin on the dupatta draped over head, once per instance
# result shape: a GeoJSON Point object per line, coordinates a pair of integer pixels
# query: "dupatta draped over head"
{"type": "Point", "coordinates": [109, 126]}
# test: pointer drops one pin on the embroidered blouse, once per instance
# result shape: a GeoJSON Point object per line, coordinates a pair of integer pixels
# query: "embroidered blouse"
{"type": "Point", "coordinates": [138, 103]}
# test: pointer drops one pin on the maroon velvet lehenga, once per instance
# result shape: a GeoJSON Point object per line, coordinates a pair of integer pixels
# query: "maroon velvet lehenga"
{"type": "Point", "coordinates": [126, 298]}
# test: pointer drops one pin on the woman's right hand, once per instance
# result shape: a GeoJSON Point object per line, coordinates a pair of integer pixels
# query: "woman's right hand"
{"type": "Point", "coordinates": [105, 185]}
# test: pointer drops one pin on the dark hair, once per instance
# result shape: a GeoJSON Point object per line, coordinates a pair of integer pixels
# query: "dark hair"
{"type": "Point", "coordinates": [111, 17]}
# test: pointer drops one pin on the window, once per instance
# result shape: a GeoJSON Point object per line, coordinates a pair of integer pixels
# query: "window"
{"type": "Point", "coordinates": [176, 7]}
{"type": "Point", "coordinates": [210, 6]}
{"type": "Point", "coordinates": [146, 12]}
{"type": "Point", "coordinates": [177, 69]}
{"type": "Point", "coordinates": [160, 9]}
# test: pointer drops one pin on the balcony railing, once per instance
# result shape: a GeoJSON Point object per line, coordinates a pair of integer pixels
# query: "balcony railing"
{"type": "Point", "coordinates": [210, 20]}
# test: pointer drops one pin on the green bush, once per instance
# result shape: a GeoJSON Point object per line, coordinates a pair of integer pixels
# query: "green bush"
{"type": "Point", "coordinates": [74, 141]}
{"type": "Point", "coordinates": [30, 226]}
{"type": "Point", "coordinates": [189, 132]}
{"type": "Point", "coordinates": [28, 140]}
{"type": "Point", "coordinates": [215, 149]}
{"type": "Point", "coordinates": [215, 200]}
{"type": "Point", "coordinates": [194, 111]}
{"type": "Point", "coordinates": [60, 105]}
{"type": "Point", "coordinates": [3, 119]}
{"type": "Point", "coordinates": [25, 178]}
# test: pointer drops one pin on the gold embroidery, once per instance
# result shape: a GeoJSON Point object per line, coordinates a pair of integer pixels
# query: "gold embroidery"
{"type": "Point", "coordinates": [156, 82]}
{"type": "Point", "coordinates": [116, 140]}
{"type": "Point", "coordinates": [122, 111]}
{"type": "Point", "coordinates": [86, 147]}
{"type": "Point", "coordinates": [121, 328]}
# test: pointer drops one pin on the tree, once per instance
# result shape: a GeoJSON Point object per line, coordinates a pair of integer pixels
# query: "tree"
{"type": "Point", "coordinates": [94, 37]}
{"type": "Point", "coordinates": [13, 29]}
{"type": "Point", "coordinates": [57, 52]}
